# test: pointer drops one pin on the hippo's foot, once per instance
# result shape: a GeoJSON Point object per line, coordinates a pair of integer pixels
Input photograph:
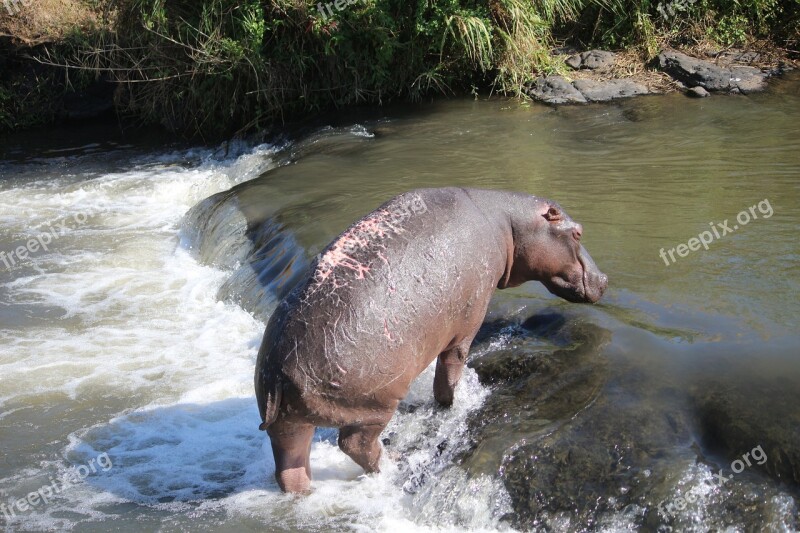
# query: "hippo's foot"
{"type": "Point", "coordinates": [291, 447]}
{"type": "Point", "coordinates": [294, 480]}
{"type": "Point", "coordinates": [362, 445]}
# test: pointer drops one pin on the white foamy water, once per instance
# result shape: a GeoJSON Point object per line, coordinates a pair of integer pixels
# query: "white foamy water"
{"type": "Point", "coordinates": [124, 349]}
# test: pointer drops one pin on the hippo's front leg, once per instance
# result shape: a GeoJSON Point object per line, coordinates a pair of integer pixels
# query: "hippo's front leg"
{"type": "Point", "coordinates": [449, 366]}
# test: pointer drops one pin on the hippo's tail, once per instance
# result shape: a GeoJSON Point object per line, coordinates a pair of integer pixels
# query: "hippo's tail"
{"type": "Point", "coordinates": [269, 393]}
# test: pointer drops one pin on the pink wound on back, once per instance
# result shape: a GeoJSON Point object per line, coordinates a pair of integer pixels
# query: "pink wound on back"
{"type": "Point", "coordinates": [366, 232]}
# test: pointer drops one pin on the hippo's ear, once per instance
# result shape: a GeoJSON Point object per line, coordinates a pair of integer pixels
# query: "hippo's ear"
{"type": "Point", "coordinates": [553, 214]}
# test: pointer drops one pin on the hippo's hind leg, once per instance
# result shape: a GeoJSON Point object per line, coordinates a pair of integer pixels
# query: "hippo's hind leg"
{"type": "Point", "coordinates": [449, 367]}
{"type": "Point", "coordinates": [291, 447]}
{"type": "Point", "coordinates": [361, 444]}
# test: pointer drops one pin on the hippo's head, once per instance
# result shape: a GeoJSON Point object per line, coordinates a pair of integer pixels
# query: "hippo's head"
{"type": "Point", "coordinates": [547, 248]}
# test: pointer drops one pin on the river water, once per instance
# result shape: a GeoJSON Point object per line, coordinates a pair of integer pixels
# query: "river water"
{"type": "Point", "coordinates": [136, 279]}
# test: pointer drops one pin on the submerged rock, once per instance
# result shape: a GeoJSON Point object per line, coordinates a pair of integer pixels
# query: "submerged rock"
{"type": "Point", "coordinates": [587, 439]}
{"type": "Point", "coordinates": [758, 412]}
{"type": "Point", "coordinates": [694, 72]}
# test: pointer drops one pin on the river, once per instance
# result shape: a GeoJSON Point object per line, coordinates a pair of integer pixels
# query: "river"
{"type": "Point", "coordinates": [136, 280]}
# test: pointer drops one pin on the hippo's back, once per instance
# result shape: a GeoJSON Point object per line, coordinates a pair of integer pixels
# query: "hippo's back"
{"type": "Point", "coordinates": [378, 301]}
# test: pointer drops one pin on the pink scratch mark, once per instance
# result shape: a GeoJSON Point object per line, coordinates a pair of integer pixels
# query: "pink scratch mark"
{"type": "Point", "coordinates": [360, 236]}
{"type": "Point", "coordinates": [361, 271]}
{"type": "Point", "coordinates": [342, 370]}
{"type": "Point", "coordinates": [386, 331]}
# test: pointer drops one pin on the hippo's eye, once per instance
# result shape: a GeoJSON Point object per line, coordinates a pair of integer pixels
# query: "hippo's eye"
{"type": "Point", "coordinates": [553, 214]}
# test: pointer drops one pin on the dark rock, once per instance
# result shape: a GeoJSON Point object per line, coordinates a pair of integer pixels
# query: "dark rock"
{"type": "Point", "coordinates": [583, 435]}
{"type": "Point", "coordinates": [695, 72]}
{"type": "Point", "coordinates": [608, 450]}
{"type": "Point", "coordinates": [593, 59]}
{"type": "Point", "coordinates": [755, 411]}
{"type": "Point", "coordinates": [726, 57]}
{"type": "Point", "coordinates": [698, 92]}
{"type": "Point", "coordinates": [747, 79]}
{"type": "Point", "coordinates": [85, 106]}
{"type": "Point", "coordinates": [597, 59]}
{"type": "Point", "coordinates": [574, 61]}
{"type": "Point", "coordinates": [602, 91]}
{"type": "Point", "coordinates": [564, 50]}
{"type": "Point", "coordinates": [555, 90]}
{"type": "Point", "coordinates": [742, 57]}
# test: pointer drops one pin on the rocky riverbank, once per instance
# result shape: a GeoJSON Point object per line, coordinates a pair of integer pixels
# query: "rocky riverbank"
{"type": "Point", "coordinates": [601, 75]}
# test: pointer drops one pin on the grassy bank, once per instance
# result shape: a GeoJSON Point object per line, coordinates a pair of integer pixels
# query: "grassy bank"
{"type": "Point", "coordinates": [212, 68]}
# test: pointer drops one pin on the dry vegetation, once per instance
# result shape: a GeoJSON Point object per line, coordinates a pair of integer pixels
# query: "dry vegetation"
{"type": "Point", "coordinates": [46, 21]}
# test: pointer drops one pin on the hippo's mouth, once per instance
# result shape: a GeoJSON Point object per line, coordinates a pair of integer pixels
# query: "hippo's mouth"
{"type": "Point", "coordinates": [594, 282]}
{"type": "Point", "coordinates": [572, 292]}
{"type": "Point", "coordinates": [588, 289]}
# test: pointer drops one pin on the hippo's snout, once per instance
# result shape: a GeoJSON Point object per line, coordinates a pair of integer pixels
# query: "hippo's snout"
{"type": "Point", "coordinates": [594, 285]}
{"type": "Point", "coordinates": [580, 283]}
{"type": "Point", "coordinates": [594, 281]}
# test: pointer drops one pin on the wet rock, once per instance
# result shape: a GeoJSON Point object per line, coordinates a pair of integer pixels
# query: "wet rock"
{"type": "Point", "coordinates": [602, 91]}
{"type": "Point", "coordinates": [734, 419]}
{"type": "Point", "coordinates": [698, 92]}
{"type": "Point", "coordinates": [593, 60]}
{"type": "Point", "coordinates": [694, 72]}
{"type": "Point", "coordinates": [541, 378]}
{"type": "Point", "coordinates": [607, 449]}
{"type": "Point", "coordinates": [589, 440]}
{"type": "Point", "coordinates": [555, 90]}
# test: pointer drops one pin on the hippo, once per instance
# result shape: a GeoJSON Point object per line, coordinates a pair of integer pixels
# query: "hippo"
{"type": "Point", "coordinates": [406, 284]}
